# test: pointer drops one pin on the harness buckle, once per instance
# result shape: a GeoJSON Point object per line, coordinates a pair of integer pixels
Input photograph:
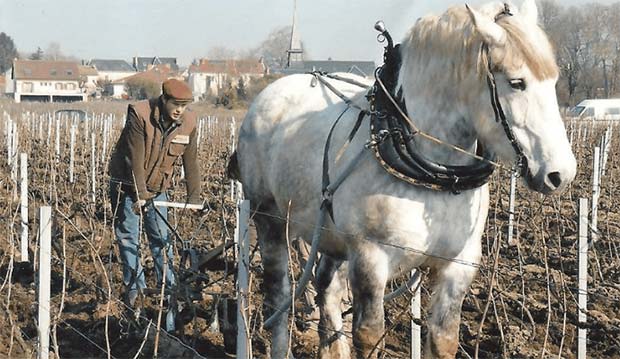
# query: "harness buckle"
{"type": "Point", "coordinates": [377, 139]}
{"type": "Point", "coordinates": [456, 181]}
{"type": "Point", "coordinates": [327, 195]}
{"type": "Point", "coordinates": [186, 245]}
{"type": "Point", "coordinates": [314, 81]}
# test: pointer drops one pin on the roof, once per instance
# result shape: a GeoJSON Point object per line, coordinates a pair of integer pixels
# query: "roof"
{"type": "Point", "coordinates": [142, 63]}
{"type": "Point", "coordinates": [600, 102]}
{"type": "Point", "coordinates": [88, 70]}
{"type": "Point", "coordinates": [45, 70]}
{"type": "Point", "coordinates": [159, 74]}
{"type": "Point", "coordinates": [103, 65]}
{"type": "Point", "coordinates": [363, 68]}
{"type": "Point", "coordinates": [233, 67]}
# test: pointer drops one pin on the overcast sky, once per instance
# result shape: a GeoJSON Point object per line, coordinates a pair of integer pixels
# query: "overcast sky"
{"type": "Point", "coordinates": [186, 29]}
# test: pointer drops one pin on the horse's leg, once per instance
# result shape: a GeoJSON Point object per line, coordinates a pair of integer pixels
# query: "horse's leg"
{"type": "Point", "coordinates": [368, 273]}
{"type": "Point", "coordinates": [276, 285]}
{"type": "Point", "coordinates": [330, 287]}
{"type": "Point", "coordinates": [453, 281]}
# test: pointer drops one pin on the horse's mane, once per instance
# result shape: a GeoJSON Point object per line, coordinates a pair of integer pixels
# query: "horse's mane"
{"type": "Point", "coordinates": [451, 42]}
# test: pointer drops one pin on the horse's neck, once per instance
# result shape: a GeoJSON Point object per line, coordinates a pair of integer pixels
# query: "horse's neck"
{"type": "Point", "coordinates": [441, 119]}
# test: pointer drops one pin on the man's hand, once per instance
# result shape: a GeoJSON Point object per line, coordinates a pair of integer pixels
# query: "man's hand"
{"type": "Point", "coordinates": [140, 205]}
{"type": "Point", "coordinates": [199, 202]}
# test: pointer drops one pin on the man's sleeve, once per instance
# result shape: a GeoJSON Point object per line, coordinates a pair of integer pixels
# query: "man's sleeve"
{"type": "Point", "coordinates": [192, 171]}
{"type": "Point", "coordinates": [135, 149]}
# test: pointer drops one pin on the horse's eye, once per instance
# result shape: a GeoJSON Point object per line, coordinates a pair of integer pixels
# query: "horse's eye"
{"type": "Point", "coordinates": [517, 84]}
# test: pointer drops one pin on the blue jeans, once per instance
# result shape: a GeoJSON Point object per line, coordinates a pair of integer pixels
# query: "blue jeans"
{"type": "Point", "coordinates": [127, 231]}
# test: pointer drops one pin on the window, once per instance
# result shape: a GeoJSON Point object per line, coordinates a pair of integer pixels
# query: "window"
{"type": "Point", "coordinates": [70, 86]}
{"type": "Point", "coordinates": [53, 72]}
{"type": "Point", "coordinates": [58, 86]}
{"type": "Point", "coordinates": [27, 87]}
{"type": "Point", "coordinates": [576, 111]}
{"type": "Point", "coordinates": [589, 112]}
{"type": "Point", "coordinates": [27, 71]}
{"type": "Point", "coordinates": [612, 111]}
{"type": "Point", "coordinates": [69, 72]}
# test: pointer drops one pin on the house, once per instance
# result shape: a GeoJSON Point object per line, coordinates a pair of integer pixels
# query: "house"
{"type": "Point", "coordinates": [142, 64]}
{"type": "Point", "coordinates": [209, 77]}
{"type": "Point", "coordinates": [48, 81]}
{"type": "Point", "coordinates": [2, 84]}
{"type": "Point", "coordinates": [156, 74]}
{"type": "Point", "coordinates": [90, 77]}
{"type": "Point", "coordinates": [111, 70]}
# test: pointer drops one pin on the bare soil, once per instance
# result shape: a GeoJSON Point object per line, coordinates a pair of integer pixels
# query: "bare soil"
{"type": "Point", "coordinates": [522, 305]}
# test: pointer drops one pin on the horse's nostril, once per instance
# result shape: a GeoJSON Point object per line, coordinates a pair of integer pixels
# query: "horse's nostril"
{"type": "Point", "coordinates": [555, 179]}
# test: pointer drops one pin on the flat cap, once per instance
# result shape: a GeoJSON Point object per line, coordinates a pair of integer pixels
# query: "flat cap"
{"type": "Point", "coordinates": [177, 90]}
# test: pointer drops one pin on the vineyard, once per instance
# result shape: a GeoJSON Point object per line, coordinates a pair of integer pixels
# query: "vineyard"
{"type": "Point", "coordinates": [524, 303]}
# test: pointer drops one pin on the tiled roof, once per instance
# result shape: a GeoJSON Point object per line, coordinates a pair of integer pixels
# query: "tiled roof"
{"type": "Point", "coordinates": [142, 63]}
{"type": "Point", "coordinates": [45, 70]}
{"type": "Point", "coordinates": [233, 67]}
{"type": "Point", "coordinates": [111, 65]}
{"type": "Point", "coordinates": [88, 70]}
{"type": "Point", "coordinates": [158, 73]}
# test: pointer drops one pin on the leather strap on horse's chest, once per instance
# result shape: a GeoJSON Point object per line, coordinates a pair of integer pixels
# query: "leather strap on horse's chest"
{"type": "Point", "coordinates": [329, 188]}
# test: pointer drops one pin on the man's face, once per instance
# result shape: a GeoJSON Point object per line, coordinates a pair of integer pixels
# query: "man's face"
{"type": "Point", "coordinates": [175, 108]}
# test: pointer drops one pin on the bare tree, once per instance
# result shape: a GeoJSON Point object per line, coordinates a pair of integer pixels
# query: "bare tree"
{"type": "Point", "coordinates": [273, 48]}
{"type": "Point", "coordinates": [587, 39]}
{"type": "Point", "coordinates": [53, 52]}
{"type": "Point", "coordinates": [8, 52]}
{"type": "Point", "coordinates": [221, 53]}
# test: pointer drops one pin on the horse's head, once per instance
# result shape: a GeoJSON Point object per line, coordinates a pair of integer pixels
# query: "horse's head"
{"type": "Point", "coordinates": [521, 61]}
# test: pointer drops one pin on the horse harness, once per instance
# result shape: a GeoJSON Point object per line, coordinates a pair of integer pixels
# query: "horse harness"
{"type": "Point", "coordinates": [392, 133]}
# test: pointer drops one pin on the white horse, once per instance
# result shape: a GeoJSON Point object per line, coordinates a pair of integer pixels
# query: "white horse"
{"type": "Point", "coordinates": [384, 226]}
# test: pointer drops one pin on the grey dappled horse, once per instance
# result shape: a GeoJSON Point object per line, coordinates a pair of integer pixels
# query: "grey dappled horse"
{"type": "Point", "coordinates": [384, 226]}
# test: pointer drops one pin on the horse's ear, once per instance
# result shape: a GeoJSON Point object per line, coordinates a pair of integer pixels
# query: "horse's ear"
{"type": "Point", "coordinates": [491, 33]}
{"type": "Point", "coordinates": [530, 11]}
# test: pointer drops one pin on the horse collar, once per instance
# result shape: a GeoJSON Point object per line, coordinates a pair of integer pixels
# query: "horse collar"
{"type": "Point", "coordinates": [393, 139]}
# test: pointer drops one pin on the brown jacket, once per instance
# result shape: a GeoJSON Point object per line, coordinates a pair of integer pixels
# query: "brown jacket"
{"type": "Point", "coordinates": [144, 155]}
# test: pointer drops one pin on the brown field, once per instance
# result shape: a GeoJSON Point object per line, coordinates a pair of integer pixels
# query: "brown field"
{"type": "Point", "coordinates": [522, 305]}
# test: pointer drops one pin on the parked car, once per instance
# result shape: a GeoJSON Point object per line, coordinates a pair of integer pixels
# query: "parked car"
{"type": "Point", "coordinates": [605, 109]}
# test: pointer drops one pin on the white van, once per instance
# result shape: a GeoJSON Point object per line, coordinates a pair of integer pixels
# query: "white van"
{"type": "Point", "coordinates": [607, 109]}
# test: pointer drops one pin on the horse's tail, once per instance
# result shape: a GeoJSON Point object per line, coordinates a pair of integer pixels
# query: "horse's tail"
{"type": "Point", "coordinates": [232, 168]}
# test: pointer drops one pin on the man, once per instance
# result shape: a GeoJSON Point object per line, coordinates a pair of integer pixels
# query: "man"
{"type": "Point", "coordinates": [156, 133]}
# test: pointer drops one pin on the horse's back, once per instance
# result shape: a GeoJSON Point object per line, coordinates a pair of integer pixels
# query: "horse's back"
{"type": "Point", "coordinates": [288, 119]}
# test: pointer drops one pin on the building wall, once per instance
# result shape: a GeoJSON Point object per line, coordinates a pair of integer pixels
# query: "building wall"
{"type": "Point", "coordinates": [119, 90]}
{"type": "Point", "coordinates": [114, 75]}
{"type": "Point", "coordinates": [10, 85]}
{"type": "Point", "coordinates": [198, 83]}
{"type": "Point", "coordinates": [203, 83]}
{"type": "Point", "coordinates": [47, 88]}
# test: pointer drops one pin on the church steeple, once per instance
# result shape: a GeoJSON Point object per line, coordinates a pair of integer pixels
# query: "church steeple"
{"type": "Point", "coordinates": [295, 52]}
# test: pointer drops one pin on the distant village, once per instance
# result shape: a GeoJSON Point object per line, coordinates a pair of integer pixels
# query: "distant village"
{"type": "Point", "coordinates": [69, 81]}
{"type": "Point", "coordinates": [141, 77]}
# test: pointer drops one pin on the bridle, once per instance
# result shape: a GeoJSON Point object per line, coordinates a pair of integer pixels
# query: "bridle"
{"type": "Point", "coordinates": [520, 166]}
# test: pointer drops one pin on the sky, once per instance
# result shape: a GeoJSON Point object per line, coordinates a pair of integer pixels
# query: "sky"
{"type": "Point", "coordinates": [187, 29]}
